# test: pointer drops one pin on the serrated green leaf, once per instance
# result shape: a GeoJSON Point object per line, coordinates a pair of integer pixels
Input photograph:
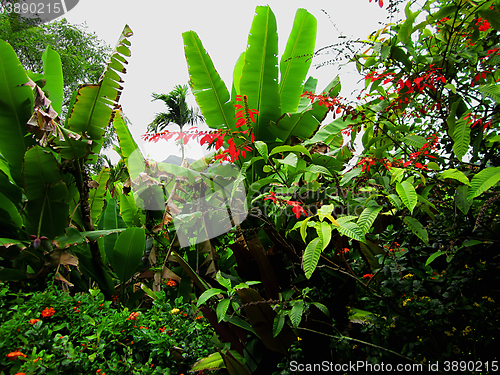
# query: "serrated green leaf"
{"type": "Point", "coordinates": [367, 218]}
{"type": "Point", "coordinates": [408, 195]}
{"type": "Point", "coordinates": [324, 231]}
{"type": "Point", "coordinates": [296, 312]}
{"type": "Point", "coordinates": [482, 181]}
{"type": "Point", "coordinates": [222, 307]}
{"type": "Point", "coordinates": [322, 308]}
{"type": "Point", "coordinates": [417, 228]}
{"type": "Point", "coordinates": [311, 256]}
{"type": "Point", "coordinates": [351, 230]}
{"type": "Point", "coordinates": [461, 138]}
{"type": "Point", "coordinates": [456, 175]}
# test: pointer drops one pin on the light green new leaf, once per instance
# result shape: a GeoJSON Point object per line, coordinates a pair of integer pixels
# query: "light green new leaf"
{"type": "Point", "coordinates": [351, 230]}
{"type": "Point", "coordinates": [226, 283]}
{"type": "Point", "coordinates": [324, 231]}
{"type": "Point", "coordinates": [262, 149]}
{"type": "Point", "coordinates": [96, 196]}
{"type": "Point", "coordinates": [208, 88]}
{"type": "Point", "coordinates": [127, 253]}
{"type": "Point", "coordinates": [126, 142]}
{"type": "Point", "coordinates": [482, 181]}
{"type": "Point", "coordinates": [408, 195]}
{"type": "Point", "coordinates": [296, 59]}
{"type": "Point", "coordinates": [456, 175]}
{"type": "Point", "coordinates": [259, 76]}
{"type": "Point", "coordinates": [311, 256]}
{"type": "Point", "coordinates": [237, 76]}
{"type": "Point", "coordinates": [213, 362]}
{"type": "Point", "coordinates": [296, 312]}
{"type": "Point", "coordinates": [221, 310]}
{"type": "Point", "coordinates": [15, 110]}
{"type": "Point", "coordinates": [53, 75]}
{"type": "Point", "coordinates": [434, 256]}
{"type": "Point", "coordinates": [296, 148]}
{"type": "Point", "coordinates": [417, 228]}
{"type": "Point", "coordinates": [367, 218]}
{"type": "Point", "coordinates": [461, 138]}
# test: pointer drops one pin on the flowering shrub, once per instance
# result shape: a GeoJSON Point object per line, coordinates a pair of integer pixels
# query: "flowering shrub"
{"type": "Point", "coordinates": [88, 335]}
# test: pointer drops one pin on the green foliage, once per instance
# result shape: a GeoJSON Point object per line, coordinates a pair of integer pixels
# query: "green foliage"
{"type": "Point", "coordinates": [86, 333]}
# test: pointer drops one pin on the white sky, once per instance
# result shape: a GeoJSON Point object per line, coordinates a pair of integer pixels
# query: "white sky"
{"type": "Point", "coordinates": [158, 64]}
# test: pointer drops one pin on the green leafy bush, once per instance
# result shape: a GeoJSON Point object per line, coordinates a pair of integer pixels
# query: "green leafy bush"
{"type": "Point", "coordinates": [53, 333]}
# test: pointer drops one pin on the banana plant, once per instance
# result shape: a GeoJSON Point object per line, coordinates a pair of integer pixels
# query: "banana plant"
{"type": "Point", "coordinates": [52, 207]}
{"type": "Point", "coordinates": [274, 93]}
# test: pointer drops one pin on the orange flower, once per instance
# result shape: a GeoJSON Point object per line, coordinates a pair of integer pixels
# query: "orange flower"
{"type": "Point", "coordinates": [368, 276]}
{"type": "Point", "coordinates": [33, 321]}
{"type": "Point", "coordinates": [133, 316]}
{"type": "Point", "coordinates": [171, 283]}
{"type": "Point", "coordinates": [12, 356]}
{"type": "Point", "coordinates": [19, 373]}
{"type": "Point", "coordinates": [48, 312]}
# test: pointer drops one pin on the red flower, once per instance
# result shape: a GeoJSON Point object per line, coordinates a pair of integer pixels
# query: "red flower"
{"type": "Point", "coordinates": [296, 208]}
{"type": "Point", "coordinates": [12, 356]}
{"type": "Point", "coordinates": [171, 283]}
{"type": "Point", "coordinates": [48, 312]}
{"type": "Point", "coordinates": [33, 321]}
{"type": "Point", "coordinates": [368, 276]}
{"type": "Point", "coordinates": [272, 197]}
{"type": "Point", "coordinates": [380, 3]}
{"type": "Point", "coordinates": [367, 163]}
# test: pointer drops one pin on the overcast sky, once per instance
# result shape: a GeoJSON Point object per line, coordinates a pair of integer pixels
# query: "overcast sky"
{"type": "Point", "coordinates": [158, 63]}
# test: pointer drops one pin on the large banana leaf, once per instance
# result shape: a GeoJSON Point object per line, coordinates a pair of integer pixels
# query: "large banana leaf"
{"type": "Point", "coordinates": [237, 76]}
{"type": "Point", "coordinates": [94, 104]}
{"type": "Point", "coordinates": [209, 90]}
{"type": "Point", "coordinates": [96, 196]}
{"type": "Point", "coordinates": [111, 219]}
{"type": "Point", "coordinates": [128, 252]}
{"type": "Point", "coordinates": [53, 76]}
{"type": "Point", "coordinates": [125, 139]}
{"type": "Point", "coordinates": [16, 106]}
{"type": "Point", "coordinates": [259, 76]}
{"type": "Point", "coordinates": [296, 59]}
{"type": "Point", "coordinates": [46, 193]}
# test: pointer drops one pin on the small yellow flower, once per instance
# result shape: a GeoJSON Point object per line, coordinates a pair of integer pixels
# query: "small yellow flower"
{"type": "Point", "coordinates": [409, 276]}
{"type": "Point", "coordinates": [475, 304]}
{"type": "Point", "coordinates": [448, 333]}
{"type": "Point", "coordinates": [299, 339]}
{"type": "Point", "coordinates": [174, 311]}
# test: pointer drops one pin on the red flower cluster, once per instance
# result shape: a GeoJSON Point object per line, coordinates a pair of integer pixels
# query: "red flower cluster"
{"type": "Point", "coordinates": [171, 283]}
{"type": "Point", "coordinates": [475, 121]}
{"type": "Point", "coordinates": [483, 24]}
{"type": "Point", "coordinates": [244, 116]}
{"type": "Point", "coordinates": [48, 312]}
{"type": "Point", "coordinates": [368, 276]}
{"type": "Point", "coordinates": [323, 99]}
{"type": "Point", "coordinates": [133, 316]}
{"type": "Point", "coordinates": [296, 207]}
{"type": "Point", "coordinates": [33, 321]}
